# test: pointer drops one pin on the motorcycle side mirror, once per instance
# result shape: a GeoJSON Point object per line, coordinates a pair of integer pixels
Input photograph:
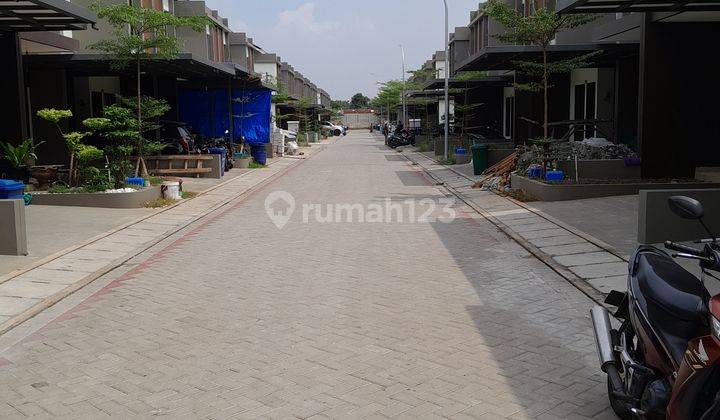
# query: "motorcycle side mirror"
{"type": "Point", "coordinates": [686, 207]}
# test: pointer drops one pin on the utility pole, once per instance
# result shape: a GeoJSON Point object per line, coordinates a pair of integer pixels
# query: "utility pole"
{"type": "Point", "coordinates": [447, 81]}
{"type": "Point", "coordinates": [404, 106]}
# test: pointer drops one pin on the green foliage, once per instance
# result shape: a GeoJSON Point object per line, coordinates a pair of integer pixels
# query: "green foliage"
{"type": "Point", "coordinates": [92, 180]}
{"type": "Point", "coordinates": [390, 94]}
{"type": "Point", "coordinates": [150, 110]}
{"type": "Point", "coordinates": [340, 104]}
{"type": "Point", "coordinates": [54, 115]}
{"type": "Point", "coordinates": [154, 147]}
{"type": "Point", "coordinates": [119, 128]}
{"type": "Point", "coordinates": [142, 33]}
{"type": "Point", "coordinates": [465, 76]}
{"type": "Point", "coordinates": [359, 101]}
{"type": "Point", "coordinates": [255, 165]}
{"type": "Point", "coordinates": [73, 140]}
{"type": "Point", "coordinates": [19, 155]}
{"type": "Point", "coordinates": [539, 28]}
{"type": "Point", "coordinates": [87, 154]}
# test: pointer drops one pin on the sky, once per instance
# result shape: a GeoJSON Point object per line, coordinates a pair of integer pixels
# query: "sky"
{"type": "Point", "coordinates": [346, 46]}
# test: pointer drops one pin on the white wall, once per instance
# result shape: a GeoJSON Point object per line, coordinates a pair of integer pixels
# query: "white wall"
{"type": "Point", "coordinates": [267, 69]}
{"type": "Point", "coordinates": [440, 69]}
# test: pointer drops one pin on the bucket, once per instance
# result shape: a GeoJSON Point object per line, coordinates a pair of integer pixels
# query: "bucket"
{"type": "Point", "coordinates": [259, 154]}
{"type": "Point", "coordinates": [171, 190]}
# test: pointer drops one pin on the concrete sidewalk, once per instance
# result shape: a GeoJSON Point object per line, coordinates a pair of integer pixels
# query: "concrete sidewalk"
{"type": "Point", "coordinates": [27, 292]}
{"type": "Point", "coordinates": [590, 264]}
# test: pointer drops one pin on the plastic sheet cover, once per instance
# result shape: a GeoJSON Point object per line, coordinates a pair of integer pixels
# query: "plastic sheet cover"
{"type": "Point", "coordinates": [206, 111]}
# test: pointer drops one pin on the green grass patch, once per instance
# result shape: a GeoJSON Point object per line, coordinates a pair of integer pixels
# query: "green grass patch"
{"type": "Point", "coordinates": [255, 165]}
{"type": "Point", "coordinates": [159, 203]}
{"type": "Point", "coordinates": [186, 195]}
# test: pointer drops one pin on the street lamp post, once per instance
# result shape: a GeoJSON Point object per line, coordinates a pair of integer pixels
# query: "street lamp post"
{"type": "Point", "coordinates": [447, 81]}
{"type": "Point", "coordinates": [404, 107]}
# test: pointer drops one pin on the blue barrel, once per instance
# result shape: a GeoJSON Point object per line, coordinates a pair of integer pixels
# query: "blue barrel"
{"type": "Point", "coordinates": [259, 154]}
{"type": "Point", "coordinates": [12, 190]}
{"type": "Point", "coordinates": [223, 156]}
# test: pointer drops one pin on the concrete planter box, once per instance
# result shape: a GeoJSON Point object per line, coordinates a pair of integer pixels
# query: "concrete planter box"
{"type": "Point", "coordinates": [131, 200]}
{"type": "Point", "coordinates": [462, 159]}
{"type": "Point", "coordinates": [565, 192]}
{"type": "Point", "coordinates": [600, 169]}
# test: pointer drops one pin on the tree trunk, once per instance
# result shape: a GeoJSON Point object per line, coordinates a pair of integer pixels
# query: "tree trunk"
{"type": "Point", "coordinates": [545, 92]}
{"type": "Point", "coordinates": [141, 168]}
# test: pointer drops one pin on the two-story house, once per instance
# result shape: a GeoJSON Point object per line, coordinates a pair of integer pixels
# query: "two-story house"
{"type": "Point", "coordinates": [668, 83]}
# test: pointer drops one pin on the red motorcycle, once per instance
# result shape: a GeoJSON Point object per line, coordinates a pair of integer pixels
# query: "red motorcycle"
{"type": "Point", "coordinates": [663, 362]}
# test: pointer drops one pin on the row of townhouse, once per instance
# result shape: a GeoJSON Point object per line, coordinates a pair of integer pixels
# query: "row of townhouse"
{"type": "Point", "coordinates": [48, 64]}
{"type": "Point", "coordinates": [649, 86]}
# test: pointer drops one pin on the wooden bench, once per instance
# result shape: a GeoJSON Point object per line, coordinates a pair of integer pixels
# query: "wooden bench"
{"type": "Point", "coordinates": [187, 169]}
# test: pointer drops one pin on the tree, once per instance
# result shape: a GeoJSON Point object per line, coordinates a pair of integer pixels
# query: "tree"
{"type": "Point", "coordinates": [119, 128]}
{"type": "Point", "coordinates": [539, 28]}
{"type": "Point", "coordinates": [142, 34]}
{"type": "Point", "coordinates": [466, 111]}
{"type": "Point", "coordinates": [340, 104]}
{"type": "Point", "coordinates": [359, 101]}
{"type": "Point", "coordinates": [73, 142]}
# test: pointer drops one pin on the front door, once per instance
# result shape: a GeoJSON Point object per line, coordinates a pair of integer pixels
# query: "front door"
{"type": "Point", "coordinates": [584, 109]}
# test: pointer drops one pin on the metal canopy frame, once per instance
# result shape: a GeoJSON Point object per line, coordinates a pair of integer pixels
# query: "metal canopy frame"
{"type": "Point", "coordinates": [501, 57]}
{"type": "Point", "coordinates": [43, 15]}
{"type": "Point", "coordinates": [619, 6]}
{"type": "Point", "coordinates": [185, 65]}
{"type": "Point", "coordinates": [480, 81]}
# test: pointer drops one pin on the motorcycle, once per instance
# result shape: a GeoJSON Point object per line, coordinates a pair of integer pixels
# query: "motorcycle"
{"type": "Point", "coordinates": [403, 138]}
{"type": "Point", "coordinates": [208, 145]}
{"type": "Point", "coordinates": [663, 361]}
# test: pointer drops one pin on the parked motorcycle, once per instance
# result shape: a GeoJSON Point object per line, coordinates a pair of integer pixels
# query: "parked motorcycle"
{"type": "Point", "coordinates": [206, 144]}
{"type": "Point", "coordinates": [402, 138]}
{"type": "Point", "coordinates": [663, 362]}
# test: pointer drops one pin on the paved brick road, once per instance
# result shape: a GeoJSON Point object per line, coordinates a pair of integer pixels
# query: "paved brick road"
{"type": "Point", "coordinates": [235, 318]}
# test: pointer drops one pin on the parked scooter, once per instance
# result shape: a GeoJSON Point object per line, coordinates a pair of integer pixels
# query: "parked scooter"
{"type": "Point", "coordinates": [401, 137]}
{"type": "Point", "coordinates": [663, 362]}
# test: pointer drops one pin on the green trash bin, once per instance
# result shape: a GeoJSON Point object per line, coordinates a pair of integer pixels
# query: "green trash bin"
{"type": "Point", "coordinates": [479, 158]}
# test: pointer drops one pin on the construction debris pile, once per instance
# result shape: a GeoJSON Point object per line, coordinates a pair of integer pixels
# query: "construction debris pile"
{"type": "Point", "coordinates": [497, 177]}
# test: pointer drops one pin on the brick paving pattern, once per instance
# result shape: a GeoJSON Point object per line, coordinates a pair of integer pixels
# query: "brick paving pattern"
{"type": "Point", "coordinates": [234, 318]}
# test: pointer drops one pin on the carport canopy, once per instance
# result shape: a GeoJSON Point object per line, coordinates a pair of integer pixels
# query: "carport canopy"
{"type": "Point", "coordinates": [43, 15]}
{"type": "Point", "coordinates": [619, 6]}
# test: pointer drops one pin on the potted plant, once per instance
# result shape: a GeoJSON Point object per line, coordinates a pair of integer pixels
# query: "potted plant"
{"type": "Point", "coordinates": [242, 160]}
{"type": "Point", "coordinates": [19, 158]}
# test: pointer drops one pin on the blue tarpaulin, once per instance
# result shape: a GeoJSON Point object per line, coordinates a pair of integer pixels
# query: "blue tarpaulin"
{"type": "Point", "coordinates": [206, 111]}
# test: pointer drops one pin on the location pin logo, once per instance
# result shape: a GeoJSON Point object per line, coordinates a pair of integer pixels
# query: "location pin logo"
{"type": "Point", "coordinates": [280, 206]}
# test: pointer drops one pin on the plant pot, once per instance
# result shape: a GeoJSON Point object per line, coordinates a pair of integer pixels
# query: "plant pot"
{"type": "Point", "coordinates": [243, 162]}
{"type": "Point", "coordinates": [44, 176]}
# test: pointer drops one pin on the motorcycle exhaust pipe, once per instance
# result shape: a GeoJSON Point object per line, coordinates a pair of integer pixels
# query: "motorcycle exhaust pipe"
{"type": "Point", "coordinates": [603, 339]}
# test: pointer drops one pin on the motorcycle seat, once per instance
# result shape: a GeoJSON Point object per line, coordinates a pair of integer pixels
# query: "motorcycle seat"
{"type": "Point", "coordinates": [674, 300]}
{"type": "Point", "coordinates": [668, 285]}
